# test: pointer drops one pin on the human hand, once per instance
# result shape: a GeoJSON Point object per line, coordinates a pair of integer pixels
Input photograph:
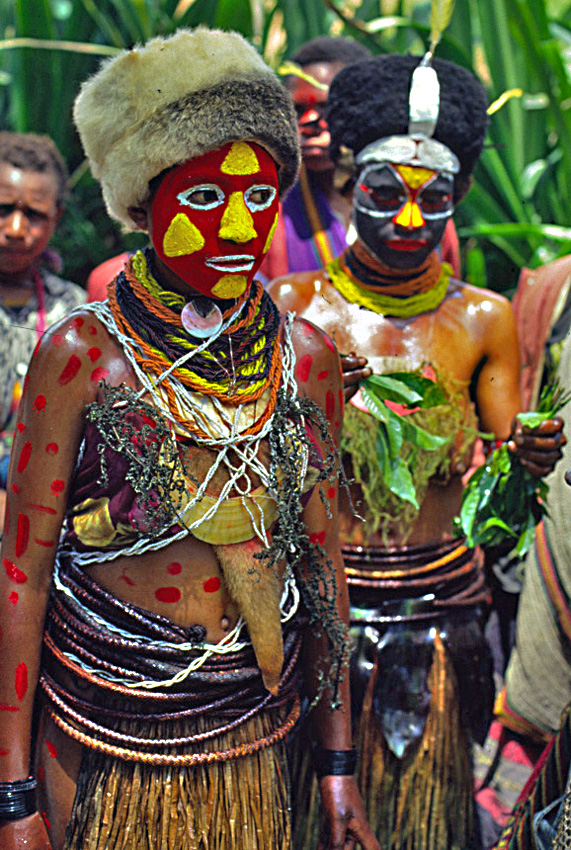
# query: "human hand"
{"type": "Point", "coordinates": [344, 821]}
{"type": "Point", "coordinates": [355, 369]}
{"type": "Point", "coordinates": [27, 832]}
{"type": "Point", "coordinates": [538, 449]}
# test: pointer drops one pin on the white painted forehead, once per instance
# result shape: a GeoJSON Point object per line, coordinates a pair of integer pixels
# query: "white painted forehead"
{"type": "Point", "coordinates": [417, 150]}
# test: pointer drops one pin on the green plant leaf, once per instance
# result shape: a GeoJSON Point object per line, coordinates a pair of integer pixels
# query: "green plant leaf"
{"type": "Point", "coordinates": [401, 483]}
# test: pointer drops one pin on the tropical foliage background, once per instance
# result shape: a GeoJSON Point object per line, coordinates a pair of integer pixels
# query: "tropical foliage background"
{"type": "Point", "coordinates": [519, 209]}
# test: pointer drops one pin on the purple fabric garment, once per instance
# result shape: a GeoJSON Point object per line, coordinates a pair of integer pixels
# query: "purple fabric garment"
{"type": "Point", "coordinates": [301, 250]}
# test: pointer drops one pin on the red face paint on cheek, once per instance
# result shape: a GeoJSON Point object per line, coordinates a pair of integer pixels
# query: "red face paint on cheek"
{"type": "Point", "coordinates": [99, 374]}
{"type": "Point", "coordinates": [9, 708]}
{"type": "Point", "coordinates": [21, 681]}
{"type": "Point", "coordinates": [24, 458]}
{"type": "Point", "coordinates": [47, 544]}
{"type": "Point", "coordinates": [52, 449]}
{"type": "Point", "coordinates": [174, 569]}
{"type": "Point", "coordinates": [94, 354]}
{"type": "Point", "coordinates": [211, 585]}
{"type": "Point", "coordinates": [4, 752]}
{"type": "Point", "coordinates": [22, 535]}
{"type": "Point", "coordinates": [14, 574]}
{"type": "Point", "coordinates": [307, 329]}
{"type": "Point", "coordinates": [57, 487]}
{"type": "Point", "coordinates": [39, 403]}
{"type": "Point", "coordinates": [70, 371]}
{"type": "Point", "coordinates": [303, 370]}
{"type": "Point", "coordinates": [168, 594]}
{"type": "Point", "coordinates": [13, 598]}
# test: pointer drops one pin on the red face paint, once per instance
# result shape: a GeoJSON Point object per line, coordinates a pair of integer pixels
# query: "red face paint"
{"type": "Point", "coordinates": [52, 449]}
{"type": "Point", "coordinates": [24, 456]}
{"type": "Point", "coordinates": [70, 371]}
{"type": "Point", "coordinates": [308, 330]}
{"type": "Point", "coordinates": [211, 585]}
{"type": "Point", "coordinates": [57, 340]}
{"type": "Point", "coordinates": [21, 681]}
{"type": "Point", "coordinates": [329, 404]}
{"type": "Point", "coordinates": [199, 192]}
{"type": "Point", "coordinates": [341, 399]}
{"type": "Point", "coordinates": [304, 368]}
{"type": "Point", "coordinates": [174, 569]}
{"type": "Point", "coordinates": [94, 354]}
{"type": "Point", "coordinates": [22, 534]}
{"type": "Point", "coordinates": [52, 750]}
{"type": "Point", "coordinates": [322, 375]}
{"type": "Point", "coordinates": [317, 537]}
{"type": "Point", "coordinates": [4, 752]}
{"type": "Point", "coordinates": [168, 594]}
{"type": "Point", "coordinates": [14, 574]}
{"type": "Point", "coordinates": [37, 348]}
{"type": "Point", "coordinates": [57, 487]}
{"type": "Point", "coordinates": [39, 403]}
{"type": "Point", "coordinates": [99, 374]}
{"type": "Point", "coordinates": [13, 598]}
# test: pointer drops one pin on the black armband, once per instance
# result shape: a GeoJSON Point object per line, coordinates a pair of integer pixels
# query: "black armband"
{"type": "Point", "coordinates": [18, 799]}
{"type": "Point", "coordinates": [334, 762]}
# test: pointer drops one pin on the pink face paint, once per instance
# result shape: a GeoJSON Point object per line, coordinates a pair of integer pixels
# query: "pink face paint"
{"type": "Point", "coordinates": [57, 487]}
{"type": "Point", "coordinates": [322, 375]}
{"type": "Point", "coordinates": [304, 368]}
{"type": "Point", "coordinates": [94, 354]}
{"type": "Point", "coordinates": [21, 681]}
{"type": "Point", "coordinates": [47, 544]}
{"type": "Point", "coordinates": [42, 508]}
{"type": "Point", "coordinates": [52, 449]}
{"type": "Point", "coordinates": [24, 456]}
{"type": "Point", "coordinates": [57, 340]}
{"type": "Point", "coordinates": [12, 708]}
{"type": "Point", "coordinates": [14, 574]}
{"type": "Point", "coordinates": [37, 348]}
{"type": "Point", "coordinates": [211, 585]}
{"type": "Point", "coordinates": [70, 370]}
{"type": "Point", "coordinates": [99, 374]}
{"type": "Point", "coordinates": [174, 569]}
{"type": "Point", "coordinates": [13, 598]}
{"type": "Point", "coordinates": [329, 404]}
{"type": "Point", "coordinates": [168, 594]}
{"type": "Point", "coordinates": [22, 534]}
{"type": "Point", "coordinates": [317, 537]}
{"type": "Point", "coordinates": [52, 750]}
{"type": "Point", "coordinates": [39, 403]}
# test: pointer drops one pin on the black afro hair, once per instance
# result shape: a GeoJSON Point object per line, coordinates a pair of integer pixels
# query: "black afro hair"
{"type": "Point", "coordinates": [369, 101]}
{"type": "Point", "coordinates": [326, 48]}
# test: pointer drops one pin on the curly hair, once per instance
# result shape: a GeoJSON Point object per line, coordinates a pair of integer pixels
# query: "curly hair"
{"type": "Point", "coordinates": [32, 152]}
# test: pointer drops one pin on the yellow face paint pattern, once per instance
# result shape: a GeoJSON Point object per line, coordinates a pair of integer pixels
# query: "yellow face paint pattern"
{"type": "Point", "coordinates": [240, 159]}
{"type": "Point", "coordinates": [182, 237]}
{"type": "Point", "coordinates": [230, 286]}
{"type": "Point", "coordinates": [237, 224]}
{"type": "Point", "coordinates": [413, 176]}
{"type": "Point", "coordinates": [271, 234]}
{"type": "Point", "coordinates": [410, 216]}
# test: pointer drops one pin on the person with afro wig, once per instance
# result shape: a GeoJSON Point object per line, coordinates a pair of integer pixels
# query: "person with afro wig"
{"type": "Point", "coordinates": [405, 136]}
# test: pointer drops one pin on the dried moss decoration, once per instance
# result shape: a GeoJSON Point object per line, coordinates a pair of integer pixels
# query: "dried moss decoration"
{"type": "Point", "coordinates": [384, 510]}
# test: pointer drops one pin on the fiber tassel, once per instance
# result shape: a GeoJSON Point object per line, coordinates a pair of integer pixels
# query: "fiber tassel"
{"type": "Point", "coordinates": [440, 14]}
{"type": "Point", "coordinates": [257, 591]}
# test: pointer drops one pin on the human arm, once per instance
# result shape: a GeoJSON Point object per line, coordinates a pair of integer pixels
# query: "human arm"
{"type": "Point", "coordinates": [344, 818]}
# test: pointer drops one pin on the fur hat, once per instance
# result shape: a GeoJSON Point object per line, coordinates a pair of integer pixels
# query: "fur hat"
{"type": "Point", "coordinates": [370, 100]}
{"type": "Point", "coordinates": [175, 98]}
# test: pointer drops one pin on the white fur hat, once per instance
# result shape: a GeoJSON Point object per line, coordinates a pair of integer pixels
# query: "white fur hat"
{"type": "Point", "coordinates": [175, 98]}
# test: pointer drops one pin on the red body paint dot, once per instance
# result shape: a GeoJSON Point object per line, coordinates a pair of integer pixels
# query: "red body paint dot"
{"type": "Point", "coordinates": [71, 369]}
{"type": "Point", "coordinates": [12, 708]}
{"type": "Point", "coordinates": [174, 569]}
{"type": "Point", "coordinates": [127, 579]}
{"type": "Point", "coordinates": [4, 752]}
{"type": "Point", "coordinates": [308, 330]}
{"type": "Point", "coordinates": [211, 585]}
{"type": "Point", "coordinates": [57, 340]}
{"type": "Point", "coordinates": [24, 458]}
{"type": "Point", "coordinates": [99, 374]}
{"type": "Point", "coordinates": [322, 375]}
{"type": "Point", "coordinates": [332, 492]}
{"type": "Point", "coordinates": [21, 681]}
{"type": "Point", "coordinates": [15, 489]}
{"type": "Point", "coordinates": [40, 403]}
{"type": "Point", "coordinates": [168, 594]}
{"type": "Point", "coordinates": [304, 367]}
{"type": "Point", "coordinates": [57, 486]}
{"type": "Point", "coordinates": [52, 449]}
{"type": "Point", "coordinates": [13, 573]}
{"type": "Point", "coordinates": [329, 342]}
{"type": "Point", "coordinates": [46, 543]}
{"type": "Point", "coordinates": [317, 537]}
{"type": "Point", "coordinates": [52, 750]}
{"type": "Point", "coordinates": [13, 598]}
{"type": "Point", "coordinates": [21, 427]}
{"type": "Point", "coordinates": [329, 404]}
{"type": "Point", "coordinates": [77, 323]}
{"type": "Point", "coordinates": [94, 354]}
{"type": "Point", "coordinates": [92, 330]}
{"type": "Point", "coordinates": [22, 535]}
{"type": "Point", "coordinates": [43, 508]}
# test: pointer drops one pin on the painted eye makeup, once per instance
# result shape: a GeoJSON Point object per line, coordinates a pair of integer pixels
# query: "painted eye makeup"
{"type": "Point", "coordinates": [203, 197]}
{"type": "Point", "coordinates": [385, 197]}
{"type": "Point", "coordinates": [259, 198]}
{"type": "Point", "coordinates": [434, 201]}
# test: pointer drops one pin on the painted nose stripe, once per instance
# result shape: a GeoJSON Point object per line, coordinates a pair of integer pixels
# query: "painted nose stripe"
{"type": "Point", "coordinates": [237, 224]}
{"type": "Point", "coordinates": [409, 216]}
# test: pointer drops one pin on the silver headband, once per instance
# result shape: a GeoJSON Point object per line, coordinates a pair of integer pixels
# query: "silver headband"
{"type": "Point", "coordinates": [416, 149]}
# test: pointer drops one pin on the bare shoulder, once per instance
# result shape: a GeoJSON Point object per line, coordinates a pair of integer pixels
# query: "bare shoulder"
{"type": "Point", "coordinates": [318, 370]}
{"type": "Point", "coordinates": [485, 306]}
{"type": "Point", "coordinates": [295, 292]}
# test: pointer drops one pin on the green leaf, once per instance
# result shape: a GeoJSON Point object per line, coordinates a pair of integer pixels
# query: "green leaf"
{"type": "Point", "coordinates": [419, 437]}
{"type": "Point", "coordinates": [401, 481]}
{"type": "Point", "coordinates": [533, 419]}
{"type": "Point", "coordinates": [470, 501]}
{"type": "Point", "coordinates": [431, 394]}
{"type": "Point", "coordinates": [378, 408]}
{"type": "Point", "coordinates": [395, 432]}
{"type": "Point", "coordinates": [389, 389]}
{"type": "Point", "coordinates": [383, 452]}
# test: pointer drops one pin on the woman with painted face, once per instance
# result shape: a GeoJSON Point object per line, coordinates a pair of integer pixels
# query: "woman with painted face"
{"type": "Point", "coordinates": [407, 134]}
{"type": "Point", "coordinates": [171, 566]}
